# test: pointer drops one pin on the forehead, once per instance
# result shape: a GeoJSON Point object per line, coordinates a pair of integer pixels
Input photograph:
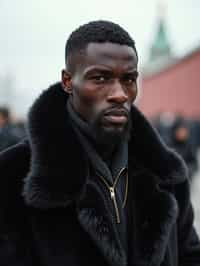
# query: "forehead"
{"type": "Point", "coordinates": [110, 54]}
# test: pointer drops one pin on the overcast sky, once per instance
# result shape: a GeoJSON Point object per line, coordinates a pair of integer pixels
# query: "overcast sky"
{"type": "Point", "coordinates": [33, 33]}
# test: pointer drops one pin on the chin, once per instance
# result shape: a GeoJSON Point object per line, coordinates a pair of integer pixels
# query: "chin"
{"type": "Point", "coordinates": [118, 131]}
{"type": "Point", "coordinates": [111, 134]}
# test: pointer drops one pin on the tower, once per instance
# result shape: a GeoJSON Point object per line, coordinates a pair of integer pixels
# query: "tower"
{"type": "Point", "coordinates": [160, 52]}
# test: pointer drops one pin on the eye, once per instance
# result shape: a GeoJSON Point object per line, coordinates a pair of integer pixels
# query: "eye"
{"type": "Point", "coordinates": [100, 78]}
{"type": "Point", "coordinates": [129, 80]}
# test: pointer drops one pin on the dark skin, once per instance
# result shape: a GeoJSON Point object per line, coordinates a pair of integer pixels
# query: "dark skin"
{"type": "Point", "coordinates": [103, 85]}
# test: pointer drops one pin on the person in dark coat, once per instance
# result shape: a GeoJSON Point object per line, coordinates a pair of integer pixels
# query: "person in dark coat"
{"type": "Point", "coordinates": [8, 137]}
{"type": "Point", "coordinates": [181, 140]}
{"type": "Point", "coordinates": [93, 184]}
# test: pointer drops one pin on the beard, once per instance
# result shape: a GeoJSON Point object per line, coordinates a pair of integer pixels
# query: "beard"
{"type": "Point", "coordinates": [113, 134]}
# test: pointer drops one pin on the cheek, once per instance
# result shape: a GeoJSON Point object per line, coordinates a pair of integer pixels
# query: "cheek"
{"type": "Point", "coordinates": [132, 94]}
{"type": "Point", "coordinates": [86, 95]}
{"type": "Point", "coordinates": [87, 100]}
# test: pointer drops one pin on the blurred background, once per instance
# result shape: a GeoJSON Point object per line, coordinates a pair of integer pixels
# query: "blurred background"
{"type": "Point", "coordinates": [32, 41]}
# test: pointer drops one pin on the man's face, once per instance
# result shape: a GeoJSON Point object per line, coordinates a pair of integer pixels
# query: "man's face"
{"type": "Point", "coordinates": [103, 87]}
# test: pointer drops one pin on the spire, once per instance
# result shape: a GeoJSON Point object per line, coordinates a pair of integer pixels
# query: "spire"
{"type": "Point", "coordinates": [160, 54]}
{"type": "Point", "coordinates": [161, 45]}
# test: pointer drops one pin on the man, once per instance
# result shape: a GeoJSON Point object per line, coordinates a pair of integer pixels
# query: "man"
{"type": "Point", "coordinates": [8, 135]}
{"type": "Point", "coordinates": [93, 184]}
{"type": "Point", "coordinates": [181, 140]}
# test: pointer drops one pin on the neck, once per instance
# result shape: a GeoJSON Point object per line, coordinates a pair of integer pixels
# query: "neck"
{"type": "Point", "coordinates": [105, 150]}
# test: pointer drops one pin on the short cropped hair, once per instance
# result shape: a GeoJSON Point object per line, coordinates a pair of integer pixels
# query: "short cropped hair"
{"type": "Point", "coordinates": [96, 32]}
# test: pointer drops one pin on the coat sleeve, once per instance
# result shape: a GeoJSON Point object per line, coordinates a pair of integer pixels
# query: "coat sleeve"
{"type": "Point", "coordinates": [188, 240]}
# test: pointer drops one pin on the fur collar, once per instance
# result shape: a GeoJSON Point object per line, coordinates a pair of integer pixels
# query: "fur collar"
{"type": "Point", "coordinates": [58, 170]}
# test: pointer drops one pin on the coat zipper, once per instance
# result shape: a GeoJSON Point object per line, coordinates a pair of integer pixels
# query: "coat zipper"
{"type": "Point", "coordinates": [113, 194]}
{"type": "Point", "coordinates": [113, 197]}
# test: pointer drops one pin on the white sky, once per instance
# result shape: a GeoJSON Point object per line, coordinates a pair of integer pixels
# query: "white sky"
{"type": "Point", "coordinates": [33, 34]}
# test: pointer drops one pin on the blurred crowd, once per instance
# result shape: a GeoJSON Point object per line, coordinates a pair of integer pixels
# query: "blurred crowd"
{"type": "Point", "coordinates": [11, 131]}
{"type": "Point", "coordinates": [182, 135]}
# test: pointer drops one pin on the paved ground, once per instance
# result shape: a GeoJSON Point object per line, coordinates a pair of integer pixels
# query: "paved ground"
{"type": "Point", "coordinates": [195, 197]}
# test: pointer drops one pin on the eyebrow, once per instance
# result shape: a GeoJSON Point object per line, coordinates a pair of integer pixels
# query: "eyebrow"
{"type": "Point", "coordinates": [96, 69]}
{"type": "Point", "coordinates": [133, 72]}
{"type": "Point", "coordinates": [103, 70]}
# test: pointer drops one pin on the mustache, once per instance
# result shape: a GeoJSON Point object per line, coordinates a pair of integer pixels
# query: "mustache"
{"type": "Point", "coordinates": [117, 111]}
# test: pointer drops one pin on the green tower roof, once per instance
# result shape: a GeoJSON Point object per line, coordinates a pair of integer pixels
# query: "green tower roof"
{"type": "Point", "coordinates": [161, 45]}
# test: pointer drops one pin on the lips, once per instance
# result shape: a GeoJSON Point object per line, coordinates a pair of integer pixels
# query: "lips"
{"type": "Point", "coordinates": [117, 116]}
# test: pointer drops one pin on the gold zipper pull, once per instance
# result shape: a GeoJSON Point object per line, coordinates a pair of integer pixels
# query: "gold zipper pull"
{"type": "Point", "coordinates": [113, 197]}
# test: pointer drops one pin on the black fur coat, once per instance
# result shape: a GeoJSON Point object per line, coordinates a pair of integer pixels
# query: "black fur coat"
{"type": "Point", "coordinates": [51, 215]}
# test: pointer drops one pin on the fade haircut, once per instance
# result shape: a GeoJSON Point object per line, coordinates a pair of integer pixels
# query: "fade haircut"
{"type": "Point", "coordinates": [95, 32]}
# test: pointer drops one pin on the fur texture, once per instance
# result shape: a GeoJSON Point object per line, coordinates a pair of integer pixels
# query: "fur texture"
{"type": "Point", "coordinates": [48, 128]}
{"type": "Point", "coordinates": [46, 179]}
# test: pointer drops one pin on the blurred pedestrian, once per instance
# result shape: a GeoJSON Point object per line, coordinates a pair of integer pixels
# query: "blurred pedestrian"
{"type": "Point", "coordinates": [182, 142]}
{"type": "Point", "coordinates": [163, 123]}
{"type": "Point", "coordinates": [7, 132]}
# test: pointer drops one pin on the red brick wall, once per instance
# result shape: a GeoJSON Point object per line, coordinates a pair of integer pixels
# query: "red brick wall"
{"type": "Point", "coordinates": [176, 89]}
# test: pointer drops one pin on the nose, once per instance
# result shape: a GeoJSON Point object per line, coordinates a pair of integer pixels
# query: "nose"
{"type": "Point", "coordinates": [117, 93]}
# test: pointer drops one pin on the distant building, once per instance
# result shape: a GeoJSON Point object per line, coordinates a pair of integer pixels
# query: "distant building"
{"type": "Point", "coordinates": [169, 84]}
{"type": "Point", "coordinates": [6, 90]}
{"type": "Point", "coordinates": [11, 96]}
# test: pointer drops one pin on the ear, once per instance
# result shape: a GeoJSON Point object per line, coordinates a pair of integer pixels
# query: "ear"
{"type": "Point", "coordinates": [67, 81]}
